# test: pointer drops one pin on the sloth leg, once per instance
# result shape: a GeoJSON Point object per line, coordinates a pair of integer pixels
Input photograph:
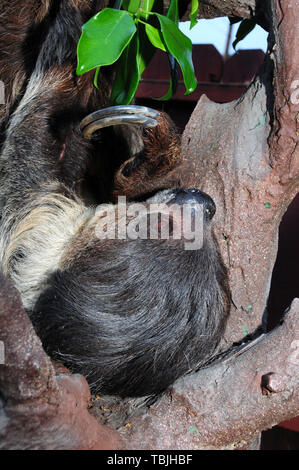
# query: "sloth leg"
{"type": "Point", "coordinates": [152, 168]}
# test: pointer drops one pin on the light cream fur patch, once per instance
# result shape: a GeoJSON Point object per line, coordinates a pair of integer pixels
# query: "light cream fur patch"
{"type": "Point", "coordinates": [32, 247]}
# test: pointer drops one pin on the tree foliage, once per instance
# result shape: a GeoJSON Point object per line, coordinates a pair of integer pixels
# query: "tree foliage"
{"type": "Point", "coordinates": [127, 36]}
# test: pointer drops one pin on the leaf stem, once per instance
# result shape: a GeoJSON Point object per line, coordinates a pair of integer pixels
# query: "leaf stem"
{"type": "Point", "coordinates": [96, 76]}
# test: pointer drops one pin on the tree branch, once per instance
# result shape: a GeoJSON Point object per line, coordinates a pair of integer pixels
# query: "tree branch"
{"type": "Point", "coordinates": [213, 8]}
{"type": "Point", "coordinates": [39, 410]}
{"type": "Point", "coordinates": [216, 8]}
{"type": "Point", "coordinates": [245, 155]}
{"type": "Point", "coordinates": [226, 405]}
{"type": "Point", "coordinates": [283, 141]}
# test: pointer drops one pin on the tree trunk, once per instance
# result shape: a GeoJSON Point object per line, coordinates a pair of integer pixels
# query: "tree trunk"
{"type": "Point", "coordinates": [245, 155]}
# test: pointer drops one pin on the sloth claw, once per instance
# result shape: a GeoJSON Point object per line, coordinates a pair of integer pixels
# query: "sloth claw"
{"type": "Point", "coordinates": [115, 115]}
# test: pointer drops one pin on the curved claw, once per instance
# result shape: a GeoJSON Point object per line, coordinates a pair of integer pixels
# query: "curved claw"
{"type": "Point", "coordinates": [128, 114]}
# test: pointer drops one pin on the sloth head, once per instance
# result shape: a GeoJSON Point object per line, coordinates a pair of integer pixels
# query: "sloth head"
{"type": "Point", "coordinates": [135, 314]}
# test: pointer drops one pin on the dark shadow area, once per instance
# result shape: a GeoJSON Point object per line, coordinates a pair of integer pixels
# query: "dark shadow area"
{"type": "Point", "coordinates": [284, 283]}
{"type": "Point", "coordinates": [279, 439]}
{"type": "Point", "coordinates": [284, 288]}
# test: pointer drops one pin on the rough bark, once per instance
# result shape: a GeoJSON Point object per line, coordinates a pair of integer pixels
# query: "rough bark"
{"type": "Point", "coordinates": [216, 8]}
{"type": "Point", "coordinates": [228, 404]}
{"type": "Point", "coordinates": [39, 410]}
{"type": "Point", "coordinates": [244, 154]}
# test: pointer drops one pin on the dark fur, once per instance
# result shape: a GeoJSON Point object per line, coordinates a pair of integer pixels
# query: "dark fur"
{"type": "Point", "coordinates": [132, 316]}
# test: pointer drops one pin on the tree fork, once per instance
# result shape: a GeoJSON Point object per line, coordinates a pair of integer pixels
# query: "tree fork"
{"type": "Point", "coordinates": [245, 154]}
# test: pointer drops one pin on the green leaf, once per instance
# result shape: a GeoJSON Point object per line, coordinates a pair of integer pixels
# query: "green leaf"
{"type": "Point", "coordinates": [131, 5]}
{"type": "Point", "coordinates": [168, 95]}
{"type": "Point", "coordinates": [244, 29]}
{"type": "Point", "coordinates": [155, 37]}
{"type": "Point", "coordinates": [127, 75]}
{"type": "Point", "coordinates": [173, 79]}
{"type": "Point", "coordinates": [193, 13]}
{"type": "Point", "coordinates": [180, 47]}
{"type": "Point", "coordinates": [146, 50]}
{"type": "Point", "coordinates": [146, 8]}
{"type": "Point", "coordinates": [147, 5]}
{"type": "Point", "coordinates": [173, 11]}
{"type": "Point", "coordinates": [103, 39]}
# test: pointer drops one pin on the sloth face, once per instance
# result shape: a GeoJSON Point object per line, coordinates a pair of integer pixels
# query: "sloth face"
{"type": "Point", "coordinates": [173, 214]}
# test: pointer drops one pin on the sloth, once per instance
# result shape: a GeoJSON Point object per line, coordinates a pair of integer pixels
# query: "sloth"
{"type": "Point", "coordinates": [130, 314]}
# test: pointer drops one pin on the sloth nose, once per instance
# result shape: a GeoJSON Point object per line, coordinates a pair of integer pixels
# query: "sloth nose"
{"type": "Point", "coordinates": [195, 196]}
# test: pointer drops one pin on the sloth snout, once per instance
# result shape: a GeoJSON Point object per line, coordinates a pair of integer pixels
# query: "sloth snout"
{"type": "Point", "coordinates": [192, 196]}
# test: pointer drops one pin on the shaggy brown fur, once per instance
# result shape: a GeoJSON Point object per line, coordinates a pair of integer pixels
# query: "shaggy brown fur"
{"type": "Point", "coordinates": [132, 315]}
